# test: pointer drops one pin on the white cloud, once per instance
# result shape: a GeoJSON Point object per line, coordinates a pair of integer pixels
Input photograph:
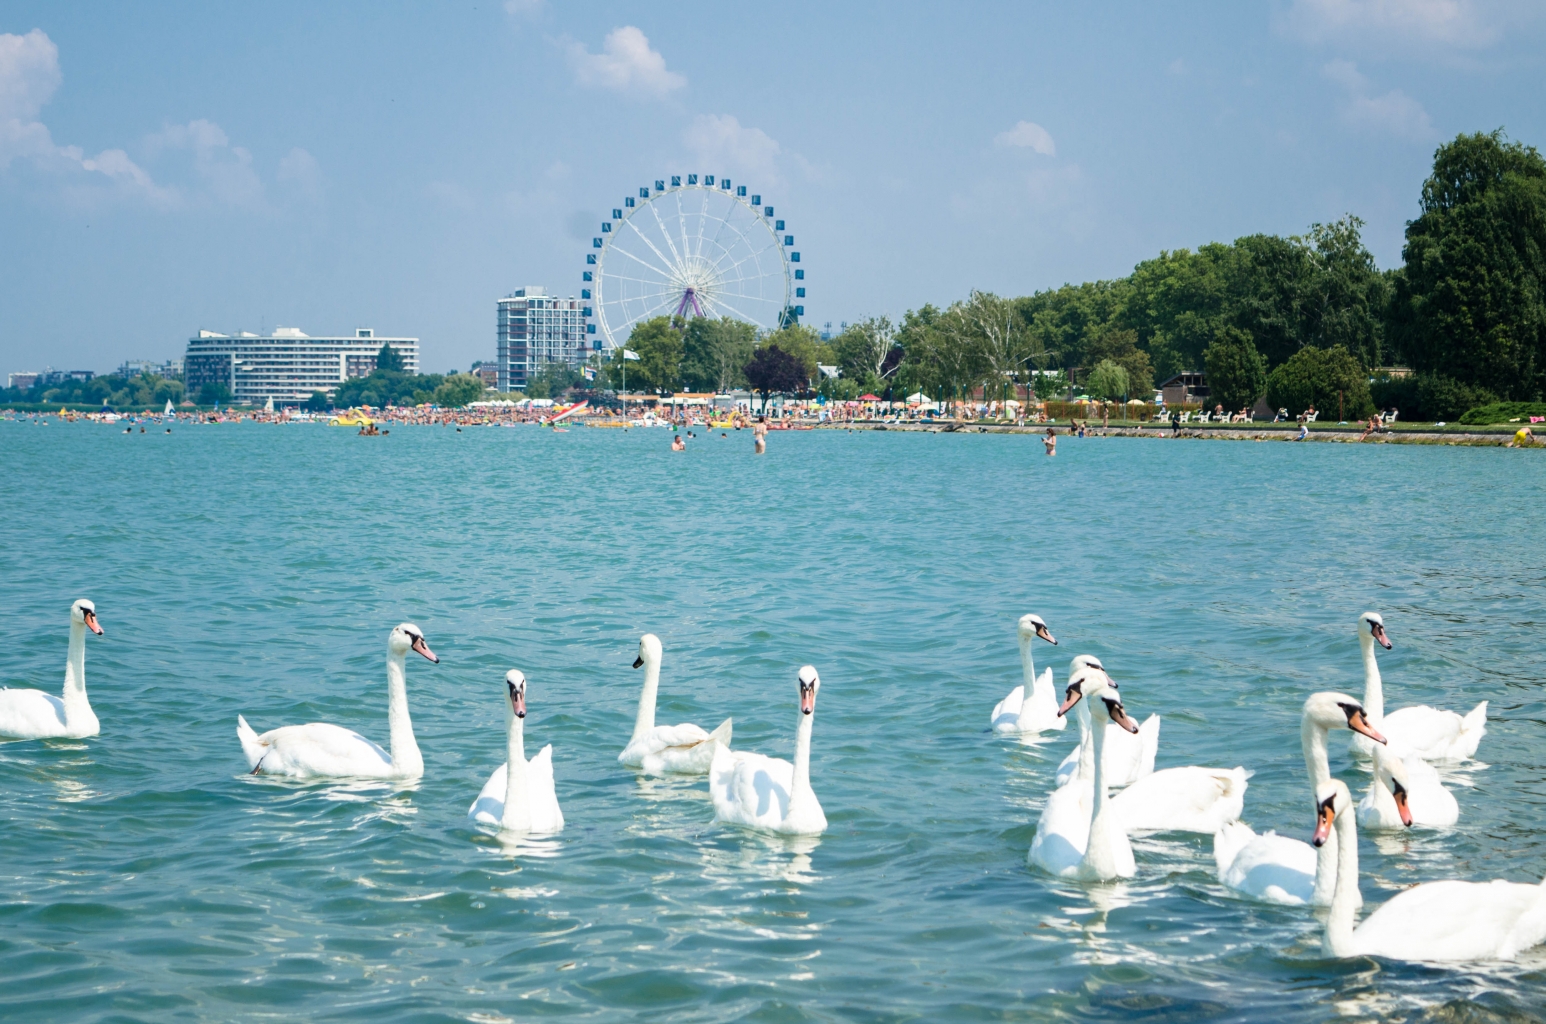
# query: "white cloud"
{"type": "Point", "coordinates": [1027, 135]}
{"type": "Point", "coordinates": [721, 143]}
{"type": "Point", "coordinates": [1393, 112]}
{"type": "Point", "coordinates": [29, 74]}
{"type": "Point", "coordinates": [1459, 24]}
{"type": "Point", "coordinates": [299, 170]}
{"type": "Point", "coordinates": [529, 9]}
{"type": "Point", "coordinates": [226, 169]}
{"type": "Point", "coordinates": [626, 64]}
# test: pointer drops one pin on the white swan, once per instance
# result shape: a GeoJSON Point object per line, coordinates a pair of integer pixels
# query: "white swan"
{"type": "Point", "coordinates": [522, 799]}
{"type": "Point", "coordinates": [29, 714]}
{"type": "Point", "coordinates": [1079, 835]}
{"type": "Point", "coordinates": [1033, 706]}
{"type": "Point", "coordinates": [1434, 921]}
{"type": "Point", "coordinates": [1189, 799]}
{"type": "Point", "coordinates": [1277, 869]}
{"type": "Point", "coordinates": [1431, 734]}
{"type": "Point", "coordinates": [1406, 791]}
{"type": "Point", "coordinates": [768, 792]}
{"type": "Point", "coordinates": [1129, 756]}
{"type": "Point", "coordinates": [319, 750]}
{"type": "Point", "coordinates": [683, 749]}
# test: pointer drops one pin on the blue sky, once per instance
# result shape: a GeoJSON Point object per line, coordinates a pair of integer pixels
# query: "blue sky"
{"type": "Point", "coordinates": [167, 167]}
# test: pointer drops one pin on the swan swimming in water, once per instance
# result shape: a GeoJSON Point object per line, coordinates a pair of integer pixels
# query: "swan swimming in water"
{"type": "Point", "coordinates": [1405, 791]}
{"type": "Point", "coordinates": [1080, 835]}
{"type": "Point", "coordinates": [1427, 732]}
{"type": "Point", "coordinates": [658, 749]}
{"type": "Point", "coordinates": [319, 750]}
{"type": "Point", "coordinates": [1129, 756]}
{"type": "Point", "coordinates": [1434, 921]}
{"type": "Point", "coordinates": [1277, 869]}
{"type": "Point", "coordinates": [519, 796]}
{"type": "Point", "coordinates": [1033, 706]}
{"type": "Point", "coordinates": [769, 793]}
{"type": "Point", "coordinates": [27, 714]}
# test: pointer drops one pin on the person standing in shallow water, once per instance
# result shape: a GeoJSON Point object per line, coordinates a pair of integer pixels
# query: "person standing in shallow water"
{"type": "Point", "coordinates": [1051, 441]}
{"type": "Point", "coordinates": [760, 435]}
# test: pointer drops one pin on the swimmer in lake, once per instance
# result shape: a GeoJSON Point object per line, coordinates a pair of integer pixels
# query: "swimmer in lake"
{"type": "Point", "coordinates": [1051, 441]}
{"type": "Point", "coordinates": [760, 435]}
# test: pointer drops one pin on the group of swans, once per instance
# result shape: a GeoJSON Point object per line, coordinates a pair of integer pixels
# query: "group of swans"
{"type": "Point", "coordinates": [1084, 831]}
{"type": "Point", "coordinates": [747, 789]}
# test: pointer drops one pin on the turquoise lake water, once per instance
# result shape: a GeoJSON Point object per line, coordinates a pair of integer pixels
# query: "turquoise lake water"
{"type": "Point", "coordinates": [144, 876]}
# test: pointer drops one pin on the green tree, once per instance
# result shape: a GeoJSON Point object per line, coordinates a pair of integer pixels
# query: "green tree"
{"type": "Point", "coordinates": [387, 358]}
{"type": "Point", "coordinates": [658, 342]}
{"type": "Point", "coordinates": [1321, 378]}
{"type": "Point", "coordinates": [1237, 373]}
{"type": "Point", "coordinates": [1107, 382]}
{"type": "Point", "coordinates": [318, 402]}
{"type": "Point", "coordinates": [714, 351]}
{"type": "Point", "coordinates": [774, 371]}
{"type": "Point", "coordinates": [868, 351]}
{"type": "Point", "coordinates": [212, 392]}
{"type": "Point", "coordinates": [1471, 302]}
{"type": "Point", "coordinates": [1121, 347]}
{"type": "Point", "coordinates": [457, 390]}
{"type": "Point", "coordinates": [805, 345]}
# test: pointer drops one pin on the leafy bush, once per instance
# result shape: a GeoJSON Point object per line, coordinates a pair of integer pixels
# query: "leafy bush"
{"type": "Point", "coordinates": [1237, 373]}
{"type": "Point", "coordinates": [1502, 412]}
{"type": "Point", "coordinates": [1314, 377]}
{"type": "Point", "coordinates": [1108, 381]}
{"type": "Point", "coordinates": [458, 390]}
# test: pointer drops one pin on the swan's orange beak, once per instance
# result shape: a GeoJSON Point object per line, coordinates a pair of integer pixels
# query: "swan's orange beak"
{"type": "Point", "coordinates": [517, 700]}
{"type": "Point", "coordinates": [1072, 696]}
{"type": "Point", "coordinates": [1119, 715]}
{"type": "Point", "coordinates": [1377, 631]}
{"type": "Point", "coordinates": [1399, 791]}
{"type": "Point", "coordinates": [1324, 816]}
{"type": "Point", "coordinates": [91, 622]}
{"type": "Point", "coordinates": [1359, 722]}
{"type": "Point", "coordinates": [807, 698]}
{"type": "Point", "coordinates": [423, 648]}
{"type": "Point", "coordinates": [1042, 632]}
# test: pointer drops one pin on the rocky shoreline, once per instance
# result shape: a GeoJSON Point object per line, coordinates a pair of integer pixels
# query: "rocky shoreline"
{"type": "Point", "coordinates": [1222, 432]}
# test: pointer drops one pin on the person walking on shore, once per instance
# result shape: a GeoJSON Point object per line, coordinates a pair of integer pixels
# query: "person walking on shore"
{"type": "Point", "coordinates": [760, 435]}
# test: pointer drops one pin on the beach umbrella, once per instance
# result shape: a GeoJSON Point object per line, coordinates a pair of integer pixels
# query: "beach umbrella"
{"type": "Point", "coordinates": [869, 398]}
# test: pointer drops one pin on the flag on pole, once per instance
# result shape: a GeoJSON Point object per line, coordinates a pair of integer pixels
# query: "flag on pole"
{"type": "Point", "coordinates": [589, 372]}
{"type": "Point", "coordinates": [630, 354]}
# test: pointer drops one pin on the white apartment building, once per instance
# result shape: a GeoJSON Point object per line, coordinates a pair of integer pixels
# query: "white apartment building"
{"type": "Point", "coordinates": [135, 367]}
{"type": "Point", "coordinates": [535, 328]}
{"type": "Point", "coordinates": [287, 365]}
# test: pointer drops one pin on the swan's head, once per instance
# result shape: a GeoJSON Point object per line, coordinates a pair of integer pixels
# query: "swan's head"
{"type": "Point", "coordinates": [649, 650]}
{"type": "Point", "coordinates": [409, 637]}
{"type": "Point", "coordinates": [1105, 702]}
{"type": "Point", "coordinates": [1371, 625]}
{"type": "Point", "coordinates": [1084, 661]}
{"type": "Point", "coordinates": [515, 682]}
{"type": "Point", "coordinates": [1032, 626]}
{"type": "Point", "coordinates": [1339, 711]}
{"type": "Point", "coordinates": [84, 612]}
{"type": "Point", "coordinates": [1331, 799]}
{"type": "Point", "coordinates": [1390, 770]}
{"type": "Point", "coordinates": [810, 682]}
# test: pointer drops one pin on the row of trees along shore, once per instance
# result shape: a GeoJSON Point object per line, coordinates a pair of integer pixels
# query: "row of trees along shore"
{"type": "Point", "coordinates": [1300, 320]}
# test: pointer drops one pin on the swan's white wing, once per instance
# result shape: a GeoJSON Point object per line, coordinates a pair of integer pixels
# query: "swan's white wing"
{"type": "Point", "coordinates": [489, 807]}
{"type": "Point", "coordinates": [1268, 867]}
{"type": "Point", "coordinates": [1128, 758]}
{"type": "Point", "coordinates": [1434, 734]}
{"type": "Point", "coordinates": [30, 715]}
{"type": "Point", "coordinates": [545, 813]}
{"type": "Point", "coordinates": [1006, 713]}
{"type": "Point", "coordinates": [1449, 920]}
{"type": "Point", "coordinates": [750, 789]}
{"type": "Point", "coordinates": [1430, 803]}
{"type": "Point", "coordinates": [662, 747]}
{"type": "Point", "coordinates": [1182, 800]}
{"type": "Point", "coordinates": [1063, 829]}
{"type": "Point", "coordinates": [322, 750]}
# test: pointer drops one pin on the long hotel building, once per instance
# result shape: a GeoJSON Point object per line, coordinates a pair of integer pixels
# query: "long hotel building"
{"type": "Point", "coordinates": [535, 328]}
{"type": "Point", "coordinates": [287, 365]}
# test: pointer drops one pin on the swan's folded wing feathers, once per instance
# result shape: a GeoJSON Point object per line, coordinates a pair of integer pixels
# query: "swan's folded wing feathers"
{"type": "Point", "coordinates": [546, 816]}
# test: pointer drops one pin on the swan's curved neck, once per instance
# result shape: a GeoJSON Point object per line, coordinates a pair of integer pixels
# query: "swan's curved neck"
{"type": "Point", "coordinates": [1029, 708]}
{"type": "Point", "coordinates": [406, 759]}
{"type": "Point", "coordinates": [517, 813]}
{"type": "Point", "coordinates": [1098, 750]}
{"type": "Point", "coordinates": [800, 788]}
{"type": "Point", "coordinates": [1087, 759]}
{"type": "Point", "coordinates": [75, 703]}
{"type": "Point", "coordinates": [1312, 738]}
{"type": "Point", "coordinates": [1344, 901]}
{"type": "Point", "coordinates": [1373, 686]}
{"type": "Point", "coordinates": [645, 721]}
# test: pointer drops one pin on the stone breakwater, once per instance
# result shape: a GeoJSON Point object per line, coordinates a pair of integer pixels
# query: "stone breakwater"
{"type": "Point", "coordinates": [1349, 435]}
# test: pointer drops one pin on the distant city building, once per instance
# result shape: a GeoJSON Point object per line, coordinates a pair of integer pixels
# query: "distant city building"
{"type": "Point", "coordinates": [286, 366]}
{"type": "Point", "coordinates": [135, 367]}
{"type": "Point", "coordinates": [534, 329]}
{"type": "Point", "coordinates": [22, 380]}
{"type": "Point", "coordinates": [489, 374]}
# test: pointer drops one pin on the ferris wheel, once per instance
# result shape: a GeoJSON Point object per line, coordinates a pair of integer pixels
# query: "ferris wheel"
{"type": "Point", "coordinates": [690, 248]}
